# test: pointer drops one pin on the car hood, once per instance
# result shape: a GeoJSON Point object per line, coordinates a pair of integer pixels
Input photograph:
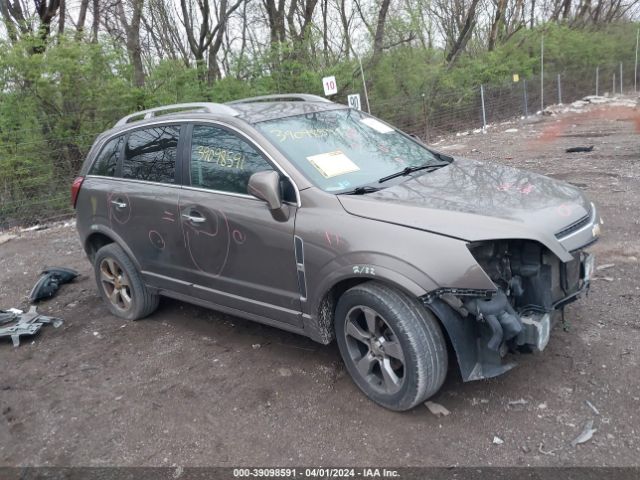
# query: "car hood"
{"type": "Point", "coordinates": [474, 200]}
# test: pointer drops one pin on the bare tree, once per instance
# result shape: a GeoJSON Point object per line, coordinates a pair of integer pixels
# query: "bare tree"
{"type": "Point", "coordinates": [47, 10]}
{"type": "Point", "coordinates": [95, 24]}
{"type": "Point", "coordinates": [497, 24]}
{"type": "Point", "coordinates": [345, 21]}
{"type": "Point", "coordinates": [132, 37]}
{"type": "Point", "coordinates": [63, 17]}
{"type": "Point", "coordinates": [165, 32]}
{"type": "Point", "coordinates": [457, 21]}
{"type": "Point", "coordinates": [82, 18]}
{"type": "Point", "coordinates": [17, 19]}
{"type": "Point", "coordinates": [208, 36]}
{"type": "Point", "coordinates": [378, 37]}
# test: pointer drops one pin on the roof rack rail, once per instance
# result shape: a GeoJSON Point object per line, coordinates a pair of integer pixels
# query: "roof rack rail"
{"type": "Point", "coordinates": [300, 97]}
{"type": "Point", "coordinates": [205, 106]}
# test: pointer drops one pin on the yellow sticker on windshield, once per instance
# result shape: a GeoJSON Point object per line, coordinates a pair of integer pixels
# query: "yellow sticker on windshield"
{"type": "Point", "coordinates": [332, 164]}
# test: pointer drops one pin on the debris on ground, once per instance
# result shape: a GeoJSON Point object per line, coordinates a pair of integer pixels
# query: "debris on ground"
{"type": "Point", "coordinates": [606, 279]}
{"type": "Point", "coordinates": [592, 407]}
{"type": "Point", "coordinates": [255, 346]}
{"type": "Point", "coordinates": [545, 452]}
{"type": "Point", "coordinates": [604, 266]}
{"type": "Point", "coordinates": [49, 282]}
{"type": "Point", "coordinates": [520, 401]}
{"type": "Point", "coordinates": [34, 228]}
{"type": "Point", "coordinates": [7, 316]}
{"type": "Point", "coordinates": [437, 409]}
{"type": "Point", "coordinates": [511, 130]}
{"type": "Point", "coordinates": [497, 440]}
{"type": "Point", "coordinates": [579, 149]}
{"type": "Point", "coordinates": [586, 434]}
{"type": "Point", "coordinates": [24, 324]}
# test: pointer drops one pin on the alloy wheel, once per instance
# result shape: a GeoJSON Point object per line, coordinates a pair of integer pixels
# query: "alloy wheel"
{"type": "Point", "coordinates": [374, 349]}
{"type": "Point", "coordinates": [115, 284]}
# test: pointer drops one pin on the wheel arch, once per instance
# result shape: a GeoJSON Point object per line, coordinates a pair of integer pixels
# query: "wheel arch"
{"type": "Point", "coordinates": [99, 236]}
{"type": "Point", "coordinates": [319, 322]}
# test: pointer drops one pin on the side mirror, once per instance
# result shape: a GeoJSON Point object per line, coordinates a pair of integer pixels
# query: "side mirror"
{"type": "Point", "coordinates": [266, 186]}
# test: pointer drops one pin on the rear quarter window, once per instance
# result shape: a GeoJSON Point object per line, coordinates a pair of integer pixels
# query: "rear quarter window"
{"type": "Point", "coordinates": [107, 161]}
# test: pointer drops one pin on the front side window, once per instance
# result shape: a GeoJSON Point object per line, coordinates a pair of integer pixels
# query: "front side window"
{"type": "Point", "coordinates": [105, 164]}
{"type": "Point", "coordinates": [150, 154]}
{"type": "Point", "coordinates": [339, 150]}
{"type": "Point", "coordinates": [221, 160]}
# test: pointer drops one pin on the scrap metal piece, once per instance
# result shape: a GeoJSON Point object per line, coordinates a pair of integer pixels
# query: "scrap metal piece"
{"type": "Point", "coordinates": [7, 316]}
{"type": "Point", "coordinates": [437, 409]}
{"type": "Point", "coordinates": [50, 281]}
{"type": "Point", "coordinates": [579, 149]}
{"type": "Point", "coordinates": [586, 434]}
{"type": "Point", "coordinates": [26, 324]}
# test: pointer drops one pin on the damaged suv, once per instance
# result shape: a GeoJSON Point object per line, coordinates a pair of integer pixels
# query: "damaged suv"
{"type": "Point", "coordinates": [307, 215]}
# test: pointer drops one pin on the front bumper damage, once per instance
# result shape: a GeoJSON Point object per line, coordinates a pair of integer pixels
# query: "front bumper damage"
{"type": "Point", "coordinates": [486, 327]}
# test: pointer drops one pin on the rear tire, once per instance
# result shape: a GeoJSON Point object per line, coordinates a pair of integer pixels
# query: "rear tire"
{"type": "Point", "coordinates": [121, 286]}
{"type": "Point", "coordinates": [392, 346]}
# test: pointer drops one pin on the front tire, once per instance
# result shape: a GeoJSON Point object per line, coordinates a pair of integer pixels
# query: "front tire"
{"type": "Point", "coordinates": [121, 286]}
{"type": "Point", "coordinates": [391, 345]}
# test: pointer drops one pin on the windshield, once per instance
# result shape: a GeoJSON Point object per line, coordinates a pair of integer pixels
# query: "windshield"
{"type": "Point", "coordinates": [339, 150]}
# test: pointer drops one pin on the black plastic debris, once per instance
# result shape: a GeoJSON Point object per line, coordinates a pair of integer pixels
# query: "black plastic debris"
{"type": "Point", "coordinates": [50, 281]}
{"type": "Point", "coordinates": [579, 149]}
{"type": "Point", "coordinates": [16, 323]}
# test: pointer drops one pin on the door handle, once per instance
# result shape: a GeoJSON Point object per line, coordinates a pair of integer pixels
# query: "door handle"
{"type": "Point", "coordinates": [194, 219]}
{"type": "Point", "coordinates": [118, 204]}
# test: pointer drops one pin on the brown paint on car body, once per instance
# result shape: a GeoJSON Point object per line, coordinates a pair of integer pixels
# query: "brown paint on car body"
{"type": "Point", "coordinates": [242, 258]}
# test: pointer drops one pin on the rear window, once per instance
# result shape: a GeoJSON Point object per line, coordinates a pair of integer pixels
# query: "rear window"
{"type": "Point", "coordinates": [150, 154]}
{"type": "Point", "coordinates": [107, 161]}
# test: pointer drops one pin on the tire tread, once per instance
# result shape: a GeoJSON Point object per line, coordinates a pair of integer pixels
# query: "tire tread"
{"type": "Point", "coordinates": [422, 331]}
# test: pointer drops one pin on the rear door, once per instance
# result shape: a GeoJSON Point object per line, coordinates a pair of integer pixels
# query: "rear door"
{"type": "Point", "coordinates": [142, 203]}
{"type": "Point", "coordinates": [240, 256]}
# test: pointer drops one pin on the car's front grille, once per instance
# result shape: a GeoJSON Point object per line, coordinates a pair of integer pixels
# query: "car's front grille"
{"type": "Point", "coordinates": [574, 227]}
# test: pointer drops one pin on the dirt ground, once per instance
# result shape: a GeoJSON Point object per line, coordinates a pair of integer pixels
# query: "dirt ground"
{"type": "Point", "coordinates": [189, 386]}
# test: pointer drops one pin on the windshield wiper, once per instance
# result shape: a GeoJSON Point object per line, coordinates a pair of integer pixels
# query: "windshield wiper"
{"type": "Point", "coordinates": [361, 190]}
{"type": "Point", "coordinates": [408, 170]}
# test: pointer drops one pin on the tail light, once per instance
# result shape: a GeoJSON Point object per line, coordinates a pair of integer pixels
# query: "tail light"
{"type": "Point", "coordinates": [75, 190]}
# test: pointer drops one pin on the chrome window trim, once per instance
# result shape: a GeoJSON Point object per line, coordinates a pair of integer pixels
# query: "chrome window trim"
{"type": "Point", "coordinates": [182, 187]}
{"type": "Point", "coordinates": [134, 180]}
{"type": "Point", "coordinates": [180, 121]}
{"type": "Point", "coordinates": [220, 192]}
{"type": "Point", "coordinates": [589, 225]}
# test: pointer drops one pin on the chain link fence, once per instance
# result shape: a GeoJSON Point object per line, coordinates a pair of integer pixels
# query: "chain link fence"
{"type": "Point", "coordinates": [36, 176]}
{"type": "Point", "coordinates": [432, 115]}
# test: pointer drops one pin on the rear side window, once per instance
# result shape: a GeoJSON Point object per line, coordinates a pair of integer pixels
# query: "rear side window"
{"type": "Point", "coordinates": [221, 160]}
{"type": "Point", "coordinates": [105, 164]}
{"type": "Point", "coordinates": [150, 154]}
